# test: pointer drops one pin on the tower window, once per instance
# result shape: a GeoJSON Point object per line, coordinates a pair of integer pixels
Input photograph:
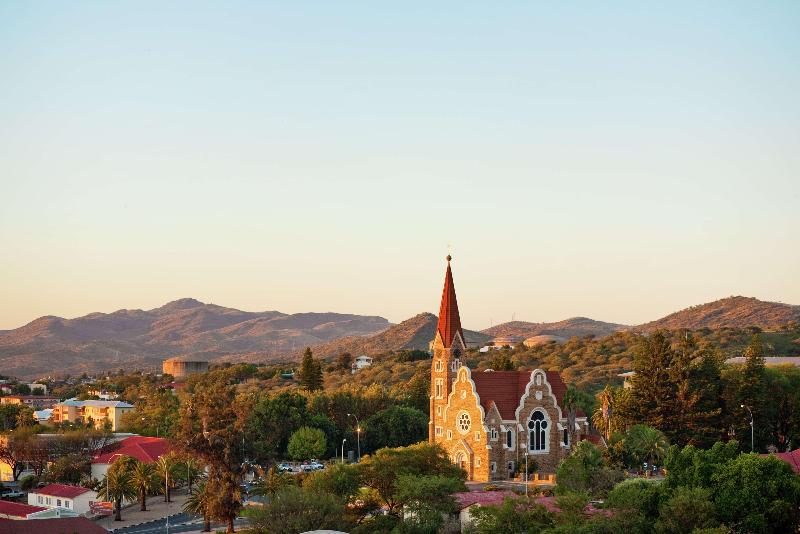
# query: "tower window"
{"type": "Point", "coordinates": [566, 436]}
{"type": "Point", "coordinates": [510, 439]}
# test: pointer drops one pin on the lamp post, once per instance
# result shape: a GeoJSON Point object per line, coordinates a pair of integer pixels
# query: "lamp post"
{"type": "Point", "coordinates": [526, 470]}
{"type": "Point", "coordinates": [358, 435]}
{"type": "Point", "coordinates": [752, 432]}
{"type": "Point", "coordinates": [345, 439]}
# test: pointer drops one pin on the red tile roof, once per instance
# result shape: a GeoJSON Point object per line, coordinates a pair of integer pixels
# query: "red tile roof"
{"type": "Point", "coordinates": [64, 525]}
{"type": "Point", "coordinates": [792, 458]}
{"type": "Point", "coordinates": [449, 320]}
{"type": "Point", "coordinates": [506, 388]}
{"type": "Point", "coordinates": [550, 504]}
{"type": "Point", "coordinates": [17, 509]}
{"type": "Point", "coordinates": [145, 449]}
{"type": "Point", "coordinates": [61, 490]}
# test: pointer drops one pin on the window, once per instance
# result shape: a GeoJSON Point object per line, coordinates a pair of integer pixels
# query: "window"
{"type": "Point", "coordinates": [439, 388]}
{"type": "Point", "coordinates": [49, 501]}
{"type": "Point", "coordinates": [439, 431]}
{"type": "Point", "coordinates": [58, 502]}
{"type": "Point", "coordinates": [453, 365]}
{"type": "Point", "coordinates": [510, 439]}
{"type": "Point", "coordinates": [66, 503]}
{"type": "Point", "coordinates": [493, 467]}
{"type": "Point", "coordinates": [478, 462]}
{"type": "Point", "coordinates": [40, 499]}
{"type": "Point", "coordinates": [538, 432]}
{"type": "Point", "coordinates": [439, 365]}
{"type": "Point", "coordinates": [495, 434]}
{"type": "Point", "coordinates": [449, 434]}
{"type": "Point", "coordinates": [439, 411]}
{"type": "Point", "coordinates": [464, 422]}
{"type": "Point", "coordinates": [510, 466]}
{"type": "Point", "coordinates": [566, 436]}
{"type": "Point", "coordinates": [477, 436]}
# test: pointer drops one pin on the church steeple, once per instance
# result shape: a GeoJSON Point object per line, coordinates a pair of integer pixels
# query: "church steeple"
{"type": "Point", "coordinates": [449, 320]}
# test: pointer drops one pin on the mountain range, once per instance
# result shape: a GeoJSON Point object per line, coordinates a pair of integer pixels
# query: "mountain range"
{"type": "Point", "coordinates": [141, 339]}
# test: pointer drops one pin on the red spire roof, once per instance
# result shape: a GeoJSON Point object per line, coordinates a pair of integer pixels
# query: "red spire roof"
{"type": "Point", "coordinates": [449, 321]}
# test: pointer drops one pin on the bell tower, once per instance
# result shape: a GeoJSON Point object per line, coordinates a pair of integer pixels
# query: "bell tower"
{"type": "Point", "coordinates": [448, 348]}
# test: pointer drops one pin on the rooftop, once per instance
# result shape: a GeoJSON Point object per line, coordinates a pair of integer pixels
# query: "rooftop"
{"type": "Point", "coordinates": [96, 403]}
{"type": "Point", "coordinates": [792, 458]}
{"type": "Point", "coordinates": [17, 509]}
{"type": "Point", "coordinates": [506, 388]}
{"type": "Point", "coordinates": [61, 490]}
{"type": "Point", "coordinates": [64, 525]}
{"type": "Point", "coordinates": [145, 449]}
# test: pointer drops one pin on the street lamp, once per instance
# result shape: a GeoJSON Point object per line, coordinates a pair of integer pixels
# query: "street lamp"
{"type": "Point", "coordinates": [752, 439]}
{"type": "Point", "coordinates": [358, 435]}
{"type": "Point", "coordinates": [345, 439]}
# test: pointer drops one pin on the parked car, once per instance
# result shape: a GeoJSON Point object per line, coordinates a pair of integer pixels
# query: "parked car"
{"type": "Point", "coordinates": [8, 493]}
{"type": "Point", "coordinates": [285, 468]}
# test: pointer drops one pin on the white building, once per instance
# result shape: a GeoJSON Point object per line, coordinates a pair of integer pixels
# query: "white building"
{"type": "Point", "coordinates": [74, 498]}
{"type": "Point", "coordinates": [361, 362]}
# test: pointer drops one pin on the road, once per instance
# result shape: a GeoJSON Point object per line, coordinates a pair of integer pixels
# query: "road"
{"type": "Point", "coordinates": [177, 523]}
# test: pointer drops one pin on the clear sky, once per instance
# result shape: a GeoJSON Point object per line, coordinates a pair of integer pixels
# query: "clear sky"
{"type": "Point", "coordinates": [615, 161]}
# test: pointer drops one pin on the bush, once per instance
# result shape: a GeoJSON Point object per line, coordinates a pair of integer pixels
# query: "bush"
{"type": "Point", "coordinates": [636, 495]}
{"type": "Point", "coordinates": [307, 443]}
{"type": "Point", "coordinates": [686, 510]}
{"type": "Point", "coordinates": [294, 510]}
{"type": "Point", "coordinates": [27, 482]}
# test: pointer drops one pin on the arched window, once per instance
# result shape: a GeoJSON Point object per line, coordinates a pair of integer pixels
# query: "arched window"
{"type": "Point", "coordinates": [509, 439]}
{"type": "Point", "coordinates": [538, 432]}
{"type": "Point", "coordinates": [566, 436]}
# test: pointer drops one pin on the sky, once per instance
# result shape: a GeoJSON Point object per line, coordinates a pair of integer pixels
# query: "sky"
{"type": "Point", "coordinates": [618, 161]}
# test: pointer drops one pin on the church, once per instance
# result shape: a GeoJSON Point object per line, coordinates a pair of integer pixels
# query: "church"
{"type": "Point", "coordinates": [489, 421]}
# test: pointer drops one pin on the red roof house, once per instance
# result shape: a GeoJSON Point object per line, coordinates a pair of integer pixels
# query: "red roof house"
{"type": "Point", "coordinates": [61, 490]}
{"type": "Point", "coordinates": [143, 448]}
{"type": "Point", "coordinates": [792, 458]}
{"type": "Point", "coordinates": [16, 510]}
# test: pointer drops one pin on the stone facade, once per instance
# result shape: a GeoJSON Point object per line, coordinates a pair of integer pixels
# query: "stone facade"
{"type": "Point", "coordinates": [488, 421]}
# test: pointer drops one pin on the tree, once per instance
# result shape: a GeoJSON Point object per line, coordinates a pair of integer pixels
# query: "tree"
{"type": "Point", "coordinates": [752, 392]}
{"type": "Point", "coordinates": [339, 479]}
{"type": "Point", "coordinates": [117, 486]}
{"type": "Point", "coordinates": [166, 465]}
{"type": "Point", "coordinates": [307, 443]}
{"type": "Point", "coordinates": [344, 361]}
{"type": "Point", "coordinates": [636, 495]}
{"type": "Point", "coordinates": [646, 444]}
{"type": "Point", "coordinates": [602, 418]}
{"type": "Point", "coordinates": [514, 515]}
{"type": "Point", "coordinates": [211, 429]}
{"type": "Point", "coordinates": [293, 510]}
{"type": "Point", "coordinates": [145, 477]}
{"type": "Point", "coordinates": [756, 494]}
{"type": "Point", "coordinates": [382, 470]}
{"type": "Point", "coordinates": [69, 469]}
{"type": "Point", "coordinates": [692, 467]}
{"type": "Point", "coordinates": [198, 503]}
{"type": "Point", "coordinates": [427, 499]}
{"type": "Point", "coordinates": [585, 471]}
{"type": "Point", "coordinates": [686, 510]}
{"type": "Point", "coordinates": [396, 426]}
{"type": "Point", "coordinates": [310, 372]}
{"type": "Point", "coordinates": [272, 422]}
{"type": "Point", "coordinates": [155, 411]}
{"type": "Point", "coordinates": [501, 362]}
{"type": "Point", "coordinates": [274, 480]}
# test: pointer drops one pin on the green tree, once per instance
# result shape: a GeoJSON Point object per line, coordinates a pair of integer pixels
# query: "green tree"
{"type": "Point", "coordinates": [310, 372]}
{"type": "Point", "coordinates": [273, 481]}
{"type": "Point", "coordinates": [756, 494]}
{"type": "Point", "coordinates": [117, 486]}
{"type": "Point", "coordinates": [427, 500]}
{"type": "Point", "coordinates": [636, 495]}
{"type": "Point", "coordinates": [514, 515]}
{"type": "Point", "coordinates": [646, 444]}
{"type": "Point", "coordinates": [501, 362]}
{"type": "Point", "coordinates": [307, 443]}
{"type": "Point", "coordinates": [339, 479]}
{"type": "Point", "coordinates": [69, 469]}
{"type": "Point", "coordinates": [344, 361]}
{"type": "Point", "coordinates": [396, 426]}
{"type": "Point", "coordinates": [198, 503]}
{"type": "Point", "coordinates": [686, 510]}
{"type": "Point", "coordinates": [293, 510]}
{"type": "Point", "coordinates": [693, 467]}
{"type": "Point", "coordinates": [585, 471]}
{"type": "Point", "coordinates": [753, 393]}
{"type": "Point", "coordinates": [381, 471]}
{"type": "Point", "coordinates": [272, 421]}
{"type": "Point", "coordinates": [166, 467]}
{"type": "Point", "coordinates": [144, 476]}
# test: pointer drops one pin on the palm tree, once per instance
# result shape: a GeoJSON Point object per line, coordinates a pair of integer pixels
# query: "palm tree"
{"type": "Point", "coordinates": [166, 466]}
{"type": "Point", "coordinates": [145, 477]}
{"type": "Point", "coordinates": [601, 418]}
{"type": "Point", "coordinates": [647, 444]}
{"type": "Point", "coordinates": [197, 504]}
{"type": "Point", "coordinates": [117, 486]}
{"type": "Point", "coordinates": [192, 471]}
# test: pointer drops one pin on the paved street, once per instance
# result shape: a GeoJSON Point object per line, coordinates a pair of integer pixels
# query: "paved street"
{"type": "Point", "coordinates": [179, 523]}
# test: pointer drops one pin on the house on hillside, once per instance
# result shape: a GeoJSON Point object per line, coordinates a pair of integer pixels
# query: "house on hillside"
{"type": "Point", "coordinates": [490, 422]}
{"type": "Point", "coordinates": [145, 449]}
{"type": "Point", "coordinates": [361, 362]}
{"type": "Point", "coordinates": [34, 402]}
{"type": "Point", "coordinates": [70, 498]}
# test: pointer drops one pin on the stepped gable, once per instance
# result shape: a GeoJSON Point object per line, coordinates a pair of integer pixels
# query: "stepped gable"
{"type": "Point", "coordinates": [449, 319]}
{"type": "Point", "coordinates": [506, 388]}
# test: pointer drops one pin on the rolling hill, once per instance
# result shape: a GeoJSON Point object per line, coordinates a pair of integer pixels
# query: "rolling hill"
{"type": "Point", "coordinates": [576, 326]}
{"type": "Point", "coordinates": [731, 312]}
{"type": "Point", "coordinates": [142, 338]}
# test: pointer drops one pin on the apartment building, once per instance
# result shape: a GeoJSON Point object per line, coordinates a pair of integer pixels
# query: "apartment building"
{"type": "Point", "coordinates": [94, 411]}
